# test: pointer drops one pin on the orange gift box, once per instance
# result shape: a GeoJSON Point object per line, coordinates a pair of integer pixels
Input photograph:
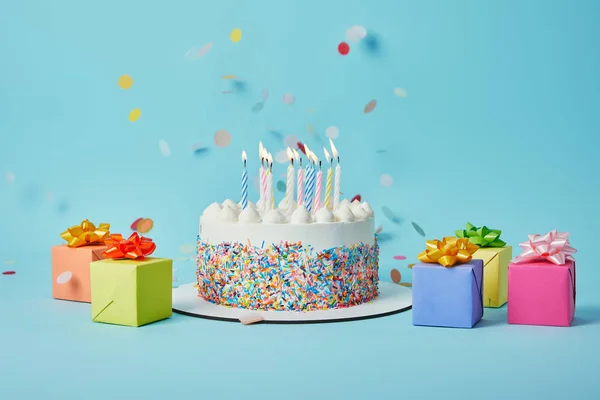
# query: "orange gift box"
{"type": "Point", "coordinates": [76, 261]}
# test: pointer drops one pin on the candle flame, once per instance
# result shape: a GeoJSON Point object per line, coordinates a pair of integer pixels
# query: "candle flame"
{"type": "Point", "coordinates": [327, 155]}
{"type": "Point", "coordinates": [296, 155]}
{"type": "Point", "coordinates": [261, 150]}
{"type": "Point", "coordinates": [244, 157]}
{"type": "Point", "coordinates": [307, 152]}
{"type": "Point", "coordinates": [314, 157]}
{"type": "Point", "coordinates": [290, 154]}
{"type": "Point", "coordinates": [333, 149]}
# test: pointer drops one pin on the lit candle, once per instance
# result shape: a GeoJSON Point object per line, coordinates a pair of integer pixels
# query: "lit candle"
{"type": "Point", "coordinates": [244, 183]}
{"type": "Point", "coordinates": [300, 188]}
{"type": "Point", "coordinates": [329, 179]}
{"type": "Point", "coordinates": [289, 189]}
{"type": "Point", "coordinates": [318, 185]}
{"type": "Point", "coordinates": [338, 176]}
{"type": "Point", "coordinates": [263, 179]}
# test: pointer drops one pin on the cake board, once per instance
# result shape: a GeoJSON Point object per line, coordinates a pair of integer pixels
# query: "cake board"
{"type": "Point", "coordinates": [393, 299]}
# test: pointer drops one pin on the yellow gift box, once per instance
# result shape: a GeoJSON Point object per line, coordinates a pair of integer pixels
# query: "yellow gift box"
{"type": "Point", "coordinates": [495, 274]}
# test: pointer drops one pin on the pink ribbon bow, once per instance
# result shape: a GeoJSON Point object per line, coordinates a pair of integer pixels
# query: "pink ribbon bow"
{"type": "Point", "coordinates": [553, 246]}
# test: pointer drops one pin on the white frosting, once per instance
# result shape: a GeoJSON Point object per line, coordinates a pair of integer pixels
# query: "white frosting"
{"type": "Point", "coordinates": [230, 203]}
{"type": "Point", "coordinates": [283, 205]}
{"type": "Point", "coordinates": [212, 211]}
{"type": "Point", "coordinates": [344, 214]}
{"type": "Point", "coordinates": [344, 202]}
{"type": "Point", "coordinates": [301, 216]}
{"type": "Point", "coordinates": [367, 207]}
{"type": "Point", "coordinates": [228, 214]}
{"type": "Point", "coordinates": [274, 217]}
{"type": "Point", "coordinates": [259, 205]}
{"type": "Point", "coordinates": [249, 215]}
{"type": "Point", "coordinates": [250, 204]}
{"type": "Point", "coordinates": [359, 213]}
{"type": "Point", "coordinates": [324, 215]}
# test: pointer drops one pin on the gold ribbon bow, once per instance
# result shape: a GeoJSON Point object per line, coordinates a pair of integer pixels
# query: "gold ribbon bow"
{"type": "Point", "coordinates": [448, 252]}
{"type": "Point", "coordinates": [85, 234]}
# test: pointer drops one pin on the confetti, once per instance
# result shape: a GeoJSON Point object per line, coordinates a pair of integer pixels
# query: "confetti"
{"type": "Point", "coordinates": [410, 266]}
{"type": "Point", "coordinates": [187, 248]}
{"type": "Point", "coordinates": [386, 180]}
{"type": "Point", "coordinates": [400, 92]}
{"type": "Point", "coordinates": [281, 186]}
{"type": "Point", "coordinates": [419, 230]}
{"type": "Point", "coordinates": [343, 48]}
{"type": "Point", "coordinates": [396, 276]}
{"type": "Point", "coordinates": [125, 82]}
{"type": "Point", "coordinates": [203, 50]}
{"type": "Point", "coordinates": [379, 229]}
{"type": "Point", "coordinates": [64, 277]}
{"type": "Point", "coordinates": [275, 133]}
{"type": "Point", "coordinates": [236, 35]}
{"type": "Point", "coordinates": [355, 34]}
{"type": "Point", "coordinates": [8, 273]}
{"type": "Point", "coordinates": [198, 146]}
{"type": "Point", "coordinates": [164, 148]}
{"type": "Point", "coordinates": [301, 147]}
{"type": "Point", "coordinates": [390, 215]}
{"type": "Point", "coordinates": [135, 223]}
{"type": "Point", "coordinates": [135, 114]}
{"type": "Point", "coordinates": [405, 284]}
{"type": "Point", "coordinates": [249, 319]}
{"type": "Point", "coordinates": [310, 129]}
{"type": "Point", "coordinates": [10, 177]}
{"type": "Point", "coordinates": [281, 157]}
{"type": "Point", "coordinates": [358, 197]}
{"type": "Point", "coordinates": [264, 95]}
{"type": "Point", "coordinates": [288, 98]}
{"type": "Point", "coordinates": [229, 77]}
{"type": "Point", "coordinates": [222, 138]}
{"type": "Point", "coordinates": [385, 237]}
{"type": "Point", "coordinates": [381, 151]}
{"type": "Point", "coordinates": [399, 258]}
{"type": "Point", "coordinates": [258, 106]}
{"type": "Point", "coordinates": [145, 225]}
{"type": "Point", "coordinates": [290, 141]}
{"type": "Point", "coordinates": [10, 262]}
{"type": "Point", "coordinates": [332, 132]}
{"type": "Point", "coordinates": [370, 106]}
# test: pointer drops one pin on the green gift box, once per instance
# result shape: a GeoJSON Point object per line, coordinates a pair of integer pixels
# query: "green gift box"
{"type": "Point", "coordinates": [131, 292]}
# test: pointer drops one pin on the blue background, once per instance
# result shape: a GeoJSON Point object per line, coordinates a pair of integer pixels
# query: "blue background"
{"type": "Point", "coordinates": [499, 127]}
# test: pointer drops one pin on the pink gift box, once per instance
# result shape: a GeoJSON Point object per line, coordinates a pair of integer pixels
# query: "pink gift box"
{"type": "Point", "coordinates": [541, 293]}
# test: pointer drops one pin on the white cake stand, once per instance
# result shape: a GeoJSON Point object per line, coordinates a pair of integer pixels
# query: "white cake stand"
{"type": "Point", "coordinates": [392, 299]}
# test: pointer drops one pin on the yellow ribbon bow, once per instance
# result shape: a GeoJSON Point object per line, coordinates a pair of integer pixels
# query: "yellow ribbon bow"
{"type": "Point", "coordinates": [448, 252]}
{"type": "Point", "coordinates": [85, 234]}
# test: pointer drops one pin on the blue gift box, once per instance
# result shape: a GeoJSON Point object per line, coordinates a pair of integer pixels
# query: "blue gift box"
{"type": "Point", "coordinates": [449, 297]}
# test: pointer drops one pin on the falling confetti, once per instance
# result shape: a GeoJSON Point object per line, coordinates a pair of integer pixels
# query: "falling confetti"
{"type": "Point", "coordinates": [290, 141]}
{"type": "Point", "coordinates": [386, 180]}
{"type": "Point", "coordinates": [355, 34]}
{"type": "Point", "coordinates": [187, 248]}
{"type": "Point", "coordinates": [10, 178]}
{"type": "Point", "coordinates": [332, 132]}
{"type": "Point", "coordinates": [385, 237]}
{"type": "Point", "coordinates": [145, 225]}
{"type": "Point", "coordinates": [64, 277]}
{"type": "Point", "coordinates": [419, 230]}
{"type": "Point", "coordinates": [400, 92]}
{"type": "Point", "coordinates": [264, 95]}
{"type": "Point", "coordinates": [229, 77]}
{"type": "Point", "coordinates": [410, 266]}
{"type": "Point", "coordinates": [125, 82]}
{"type": "Point", "coordinates": [379, 229]}
{"type": "Point", "coordinates": [301, 147]}
{"type": "Point", "coordinates": [222, 138]}
{"type": "Point", "coordinates": [358, 197]}
{"type": "Point", "coordinates": [395, 275]}
{"type": "Point", "coordinates": [288, 98]}
{"type": "Point", "coordinates": [343, 48]}
{"type": "Point", "coordinates": [8, 273]}
{"type": "Point", "coordinates": [165, 150]}
{"type": "Point", "coordinates": [198, 147]}
{"type": "Point", "coordinates": [370, 106]}
{"type": "Point", "coordinates": [135, 114]}
{"type": "Point", "coordinates": [281, 186]}
{"type": "Point", "coordinates": [236, 35]}
{"type": "Point", "coordinates": [389, 214]}
{"type": "Point", "coordinates": [258, 106]}
{"type": "Point", "coordinates": [275, 133]}
{"type": "Point", "coordinates": [399, 258]}
{"type": "Point", "coordinates": [281, 157]}
{"type": "Point", "coordinates": [405, 284]}
{"type": "Point", "coordinates": [135, 223]}
{"type": "Point", "coordinates": [310, 129]}
{"type": "Point", "coordinates": [203, 50]}
{"type": "Point", "coordinates": [249, 319]}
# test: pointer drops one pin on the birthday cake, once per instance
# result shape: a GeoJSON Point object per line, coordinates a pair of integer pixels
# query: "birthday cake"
{"type": "Point", "coordinates": [303, 255]}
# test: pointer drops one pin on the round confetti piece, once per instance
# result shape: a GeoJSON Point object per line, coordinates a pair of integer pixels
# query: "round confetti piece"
{"type": "Point", "coordinates": [64, 277]}
{"type": "Point", "coordinates": [343, 48]}
{"type": "Point", "coordinates": [134, 224]}
{"type": "Point", "coordinates": [187, 248]}
{"type": "Point", "coordinates": [281, 186]}
{"type": "Point", "coordinates": [236, 35]}
{"type": "Point", "coordinates": [10, 177]}
{"type": "Point", "coordinates": [258, 106]}
{"type": "Point", "coordinates": [135, 114]}
{"type": "Point", "coordinates": [145, 225]}
{"type": "Point", "coordinates": [8, 273]}
{"type": "Point", "coordinates": [310, 129]}
{"type": "Point", "coordinates": [386, 180]}
{"type": "Point", "coordinates": [419, 230]}
{"type": "Point", "coordinates": [264, 95]}
{"type": "Point", "coordinates": [396, 276]}
{"type": "Point", "coordinates": [290, 141]}
{"type": "Point", "coordinates": [125, 82]}
{"type": "Point", "coordinates": [222, 138]}
{"type": "Point", "coordinates": [370, 106]}
{"type": "Point", "coordinates": [379, 229]}
{"type": "Point", "coordinates": [281, 157]}
{"type": "Point", "coordinates": [400, 92]}
{"type": "Point", "coordinates": [204, 49]}
{"type": "Point", "coordinates": [355, 34]}
{"type": "Point", "coordinates": [399, 258]}
{"type": "Point", "coordinates": [288, 98]}
{"type": "Point", "coordinates": [332, 132]}
{"type": "Point", "coordinates": [301, 147]}
{"type": "Point", "coordinates": [164, 148]}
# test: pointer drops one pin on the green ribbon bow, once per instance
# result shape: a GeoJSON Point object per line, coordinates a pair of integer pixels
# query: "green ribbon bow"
{"type": "Point", "coordinates": [482, 237]}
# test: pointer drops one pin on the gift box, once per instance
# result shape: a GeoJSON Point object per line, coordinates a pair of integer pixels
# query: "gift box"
{"type": "Point", "coordinates": [445, 294]}
{"type": "Point", "coordinates": [71, 261]}
{"type": "Point", "coordinates": [496, 256]}
{"type": "Point", "coordinates": [129, 288]}
{"type": "Point", "coordinates": [541, 282]}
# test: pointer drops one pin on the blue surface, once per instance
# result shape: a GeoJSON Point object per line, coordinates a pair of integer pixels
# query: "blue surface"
{"type": "Point", "coordinates": [500, 127]}
{"type": "Point", "coordinates": [448, 297]}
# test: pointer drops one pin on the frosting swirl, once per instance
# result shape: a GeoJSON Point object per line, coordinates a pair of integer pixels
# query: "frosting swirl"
{"type": "Point", "coordinates": [212, 211]}
{"type": "Point", "coordinates": [228, 214]}
{"type": "Point", "coordinates": [273, 217]}
{"type": "Point", "coordinates": [249, 215]}
{"type": "Point", "coordinates": [344, 214]}
{"type": "Point", "coordinates": [229, 203]}
{"type": "Point", "coordinates": [324, 215]}
{"type": "Point", "coordinates": [301, 216]}
{"type": "Point", "coordinates": [367, 207]}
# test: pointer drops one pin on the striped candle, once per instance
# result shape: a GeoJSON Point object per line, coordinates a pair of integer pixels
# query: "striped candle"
{"type": "Point", "coordinates": [318, 189]}
{"type": "Point", "coordinates": [338, 176]}
{"type": "Point", "coordinates": [289, 189]}
{"type": "Point", "coordinates": [328, 183]}
{"type": "Point", "coordinates": [310, 187]}
{"type": "Point", "coordinates": [244, 183]}
{"type": "Point", "coordinates": [263, 184]}
{"type": "Point", "coordinates": [300, 188]}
